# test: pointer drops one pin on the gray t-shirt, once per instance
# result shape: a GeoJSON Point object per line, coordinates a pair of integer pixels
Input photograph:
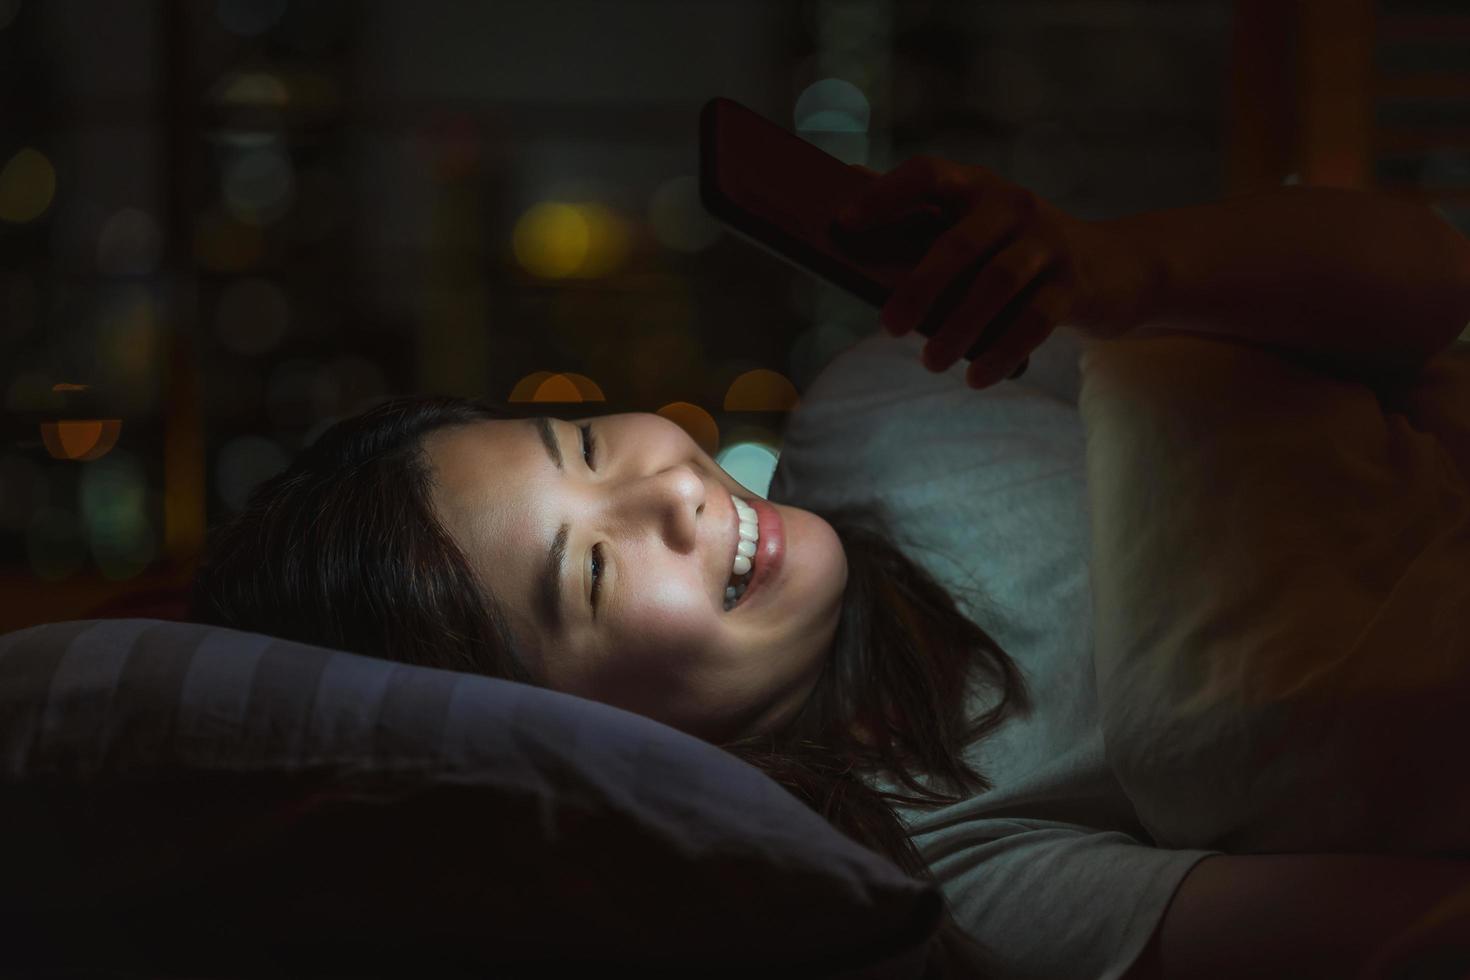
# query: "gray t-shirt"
{"type": "Point", "coordinates": [1051, 869]}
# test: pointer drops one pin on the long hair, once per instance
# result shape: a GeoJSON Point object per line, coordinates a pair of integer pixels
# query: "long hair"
{"type": "Point", "coordinates": [343, 549]}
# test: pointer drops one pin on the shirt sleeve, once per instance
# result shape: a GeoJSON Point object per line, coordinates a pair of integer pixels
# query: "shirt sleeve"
{"type": "Point", "coordinates": [1050, 899]}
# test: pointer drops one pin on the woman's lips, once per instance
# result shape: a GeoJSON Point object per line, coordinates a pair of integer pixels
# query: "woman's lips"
{"type": "Point", "coordinates": [770, 549]}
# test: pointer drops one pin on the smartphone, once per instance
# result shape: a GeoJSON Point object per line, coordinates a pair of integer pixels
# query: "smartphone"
{"type": "Point", "coordinates": [778, 191]}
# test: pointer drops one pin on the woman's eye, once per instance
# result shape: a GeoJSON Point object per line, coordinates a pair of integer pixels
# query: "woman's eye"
{"type": "Point", "coordinates": [589, 445]}
{"type": "Point", "coordinates": [596, 572]}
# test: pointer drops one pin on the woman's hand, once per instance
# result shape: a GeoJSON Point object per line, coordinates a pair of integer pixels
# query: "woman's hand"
{"type": "Point", "coordinates": [1020, 266]}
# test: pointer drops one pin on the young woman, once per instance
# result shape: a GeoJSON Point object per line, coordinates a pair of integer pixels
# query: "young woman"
{"type": "Point", "coordinates": [609, 557]}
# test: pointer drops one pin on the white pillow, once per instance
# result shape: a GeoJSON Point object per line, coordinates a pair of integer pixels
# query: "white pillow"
{"type": "Point", "coordinates": [1281, 596]}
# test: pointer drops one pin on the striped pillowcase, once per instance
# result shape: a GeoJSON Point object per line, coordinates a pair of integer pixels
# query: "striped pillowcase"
{"type": "Point", "coordinates": [204, 798]}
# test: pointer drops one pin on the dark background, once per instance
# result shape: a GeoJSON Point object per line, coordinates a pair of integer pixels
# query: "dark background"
{"type": "Point", "coordinates": [226, 223]}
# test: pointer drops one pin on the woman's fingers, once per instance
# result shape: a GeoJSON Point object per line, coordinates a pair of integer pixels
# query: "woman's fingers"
{"type": "Point", "coordinates": [1002, 357]}
{"type": "Point", "coordinates": [1000, 281]}
{"type": "Point", "coordinates": [953, 254]}
{"type": "Point", "coordinates": [1010, 261]}
{"type": "Point", "coordinates": [909, 186]}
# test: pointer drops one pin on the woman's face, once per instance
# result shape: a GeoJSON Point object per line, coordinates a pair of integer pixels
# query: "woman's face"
{"type": "Point", "coordinates": [659, 513]}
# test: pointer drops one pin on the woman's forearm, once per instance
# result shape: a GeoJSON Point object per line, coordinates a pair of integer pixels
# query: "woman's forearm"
{"type": "Point", "coordinates": [1356, 277]}
{"type": "Point", "coordinates": [1307, 916]}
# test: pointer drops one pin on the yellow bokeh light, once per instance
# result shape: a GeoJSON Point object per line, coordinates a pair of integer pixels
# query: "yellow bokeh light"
{"type": "Point", "coordinates": [254, 88]}
{"type": "Point", "coordinates": [27, 186]}
{"type": "Point", "coordinates": [556, 240]}
{"type": "Point", "coordinates": [80, 439]}
{"type": "Point", "coordinates": [761, 390]}
{"type": "Point", "coordinates": [697, 422]}
{"type": "Point", "coordinates": [551, 240]}
{"type": "Point", "coordinates": [607, 245]}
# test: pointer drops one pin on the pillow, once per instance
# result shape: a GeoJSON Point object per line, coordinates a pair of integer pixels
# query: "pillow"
{"type": "Point", "coordinates": [1280, 597]}
{"type": "Point", "coordinates": [202, 799]}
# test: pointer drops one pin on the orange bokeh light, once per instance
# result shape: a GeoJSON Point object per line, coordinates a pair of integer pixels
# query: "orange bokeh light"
{"type": "Point", "coordinates": [697, 422]}
{"type": "Point", "coordinates": [549, 386]}
{"type": "Point", "coordinates": [81, 439]}
{"type": "Point", "coordinates": [761, 390]}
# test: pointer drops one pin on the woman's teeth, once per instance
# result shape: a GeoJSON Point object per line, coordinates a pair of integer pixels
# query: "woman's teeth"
{"type": "Point", "coordinates": [744, 553]}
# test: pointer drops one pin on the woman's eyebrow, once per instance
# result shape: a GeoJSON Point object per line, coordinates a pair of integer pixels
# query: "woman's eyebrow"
{"type": "Point", "coordinates": [548, 438]}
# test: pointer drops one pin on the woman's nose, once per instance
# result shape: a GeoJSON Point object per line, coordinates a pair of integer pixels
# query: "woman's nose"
{"type": "Point", "coordinates": [672, 499]}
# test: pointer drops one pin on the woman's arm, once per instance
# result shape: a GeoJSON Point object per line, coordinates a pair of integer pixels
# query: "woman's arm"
{"type": "Point", "coordinates": [1360, 279]}
{"type": "Point", "coordinates": [1298, 916]}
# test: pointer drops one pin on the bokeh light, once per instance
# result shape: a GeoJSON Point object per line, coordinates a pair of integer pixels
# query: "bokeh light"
{"type": "Point", "coordinates": [694, 420]}
{"type": "Point", "coordinates": [114, 498]}
{"type": "Point", "coordinates": [550, 386]}
{"type": "Point", "coordinates": [832, 105]}
{"type": "Point", "coordinates": [27, 186]}
{"type": "Point", "coordinates": [242, 464]}
{"type": "Point", "coordinates": [252, 316]}
{"type": "Point", "coordinates": [130, 244]}
{"type": "Point", "coordinates": [255, 88]}
{"type": "Point", "coordinates": [552, 240]}
{"type": "Point", "coordinates": [259, 185]}
{"type": "Point", "coordinates": [525, 389]}
{"type": "Point", "coordinates": [557, 388]}
{"type": "Point", "coordinates": [557, 240]}
{"type": "Point", "coordinates": [568, 387]}
{"type": "Point", "coordinates": [752, 464]}
{"type": "Point", "coordinates": [678, 218]}
{"type": "Point", "coordinates": [81, 440]}
{"type": "Point", "coordinates": [761, 390]}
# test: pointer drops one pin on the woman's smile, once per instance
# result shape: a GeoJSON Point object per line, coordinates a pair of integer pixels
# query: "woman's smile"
{"type": "Point", "coordinates": [647, 529]}
{"type": "Point", "coordinates": [769, 552]}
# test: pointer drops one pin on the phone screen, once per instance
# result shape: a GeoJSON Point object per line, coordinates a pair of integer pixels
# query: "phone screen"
{"type": "Point", "coordinates": [780, 192]}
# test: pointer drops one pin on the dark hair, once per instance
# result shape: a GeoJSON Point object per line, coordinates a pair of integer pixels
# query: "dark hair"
{"type": "Point", "coordinates": [343, 550]}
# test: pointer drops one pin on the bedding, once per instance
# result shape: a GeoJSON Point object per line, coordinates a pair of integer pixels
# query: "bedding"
{"type": "Point", "coordinates": [1050, 868]}
{"type": "Point", "coordinates": [1281, 596]}
{"type": "Point", "coordinates": [220, 803]}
